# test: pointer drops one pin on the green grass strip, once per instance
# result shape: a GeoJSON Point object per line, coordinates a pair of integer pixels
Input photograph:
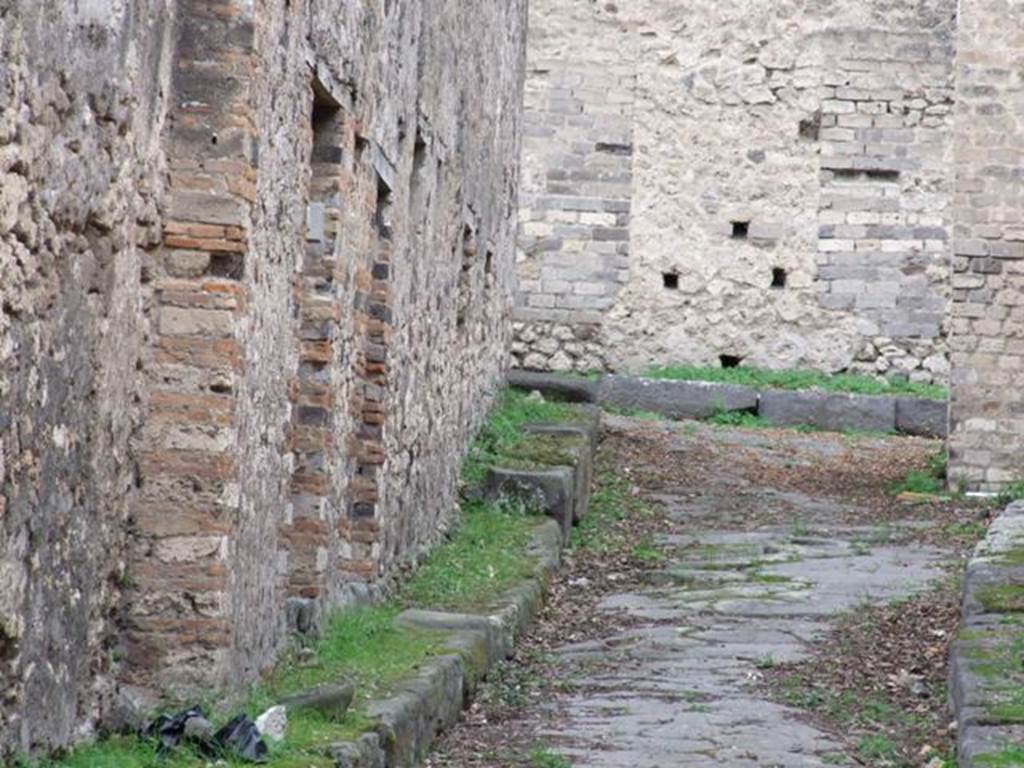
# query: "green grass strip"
{"type": "Point", "coordinates": [799, 379]}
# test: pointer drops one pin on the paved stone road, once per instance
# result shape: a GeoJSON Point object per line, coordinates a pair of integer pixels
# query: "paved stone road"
{"type": "Point", "coordinates": [674, 690]}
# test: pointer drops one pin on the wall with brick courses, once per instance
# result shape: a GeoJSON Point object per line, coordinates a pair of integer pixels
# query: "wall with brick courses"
{"type": "Point", "coordinates": [312, 331]}
{"type": "Point", "coordinates": [577, 181]}
{"type": "Point", "coordinates": [81, 109]}
{"type": "Point", "coordinates": [987, 403]}
{"type": "Point", "coordinates": [800, 121]}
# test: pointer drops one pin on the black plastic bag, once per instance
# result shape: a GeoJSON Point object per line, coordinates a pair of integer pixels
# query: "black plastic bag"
{"type": "Point", "coordinates": [170, 729]}
{"type": "Point", "coordinates": [242, 738]}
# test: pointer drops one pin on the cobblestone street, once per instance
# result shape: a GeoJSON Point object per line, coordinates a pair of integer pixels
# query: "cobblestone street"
{"type": "Point", "coordinates": [764, 537]}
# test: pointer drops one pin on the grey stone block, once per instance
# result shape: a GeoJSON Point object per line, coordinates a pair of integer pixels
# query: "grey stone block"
{"type": "Point", "coordinates": [571, 388]}
{"type": "Point", "coordinates": [675, 399]}
{"type": "Point", "coordinates": [364, 752]}
{"type": "Point", "coordinates": [496, 637]}
{"type": "Point", "coordinates": [422, 707]}
{"type": "Point", "coordinates": [331, 700]}
{"type": "Point", "coordinates": [925, 418]}
{"type": "Point", "coordinates": [551, 490]}
{"type": "Point", "coordinates": [826, 410]}
{"type": "Point", "coordinates": [583, 454]}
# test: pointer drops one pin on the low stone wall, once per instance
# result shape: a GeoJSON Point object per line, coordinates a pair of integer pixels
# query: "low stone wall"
{"type": "Point", "coordinates": [986, 673]}
{"type": "Point", "coordinates": [701, 400]}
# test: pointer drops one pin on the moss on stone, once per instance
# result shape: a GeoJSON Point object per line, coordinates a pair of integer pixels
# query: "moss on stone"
{"type": "Point", "coordinates": [1010, 756]}
{"type": "Point", "coordinates": [1011, 557]}
{"type": "Point", "coordinates": [1004, 598]}
{"type": "Point", "coordinates": [543, 450]}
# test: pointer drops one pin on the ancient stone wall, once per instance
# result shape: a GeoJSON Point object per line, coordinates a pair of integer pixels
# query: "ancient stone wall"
{"type": "Point", "coordinates": [246, 332]}
{"type": "Point", "coordinates": [987, 403]}
{"type": "Point", "coordinates": [81, 108]}
{"type": "Point", "coordinates": [788, 179]}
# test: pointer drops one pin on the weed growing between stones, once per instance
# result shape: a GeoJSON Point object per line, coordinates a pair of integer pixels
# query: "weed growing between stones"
{"type": "Point", "coordinates": [1013, 492]}
{"type": "Point", "coordinates": [931, 480]}
{"type": "Point", "coordinates": [543, 758]}
{"type": "Point", "coordinates": [799, 379]}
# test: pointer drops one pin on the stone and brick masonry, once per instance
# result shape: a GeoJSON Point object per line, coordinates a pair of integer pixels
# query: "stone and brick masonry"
{"type": "Point", "coordinates": [987, 341]}
{"type": "Point", "coordinates": [256, 277]}
{"type": "Point", "coordinates": [767, 183]}
{"type": "Point", "coordinates": [256, 266]}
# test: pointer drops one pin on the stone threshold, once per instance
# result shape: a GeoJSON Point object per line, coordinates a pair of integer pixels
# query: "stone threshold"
{"type": "Point", "coordinates": [786, 408]}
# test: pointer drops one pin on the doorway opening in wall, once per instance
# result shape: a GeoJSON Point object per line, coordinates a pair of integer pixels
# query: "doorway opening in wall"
{"type": "Point", "coordinates": [730, 361]}
{"type": "Point", "coordinates": [740, 230]}
{"type": "Point", "coordinates": [670, 281]}
{"type": "Point", "coordinates": [778, 278]}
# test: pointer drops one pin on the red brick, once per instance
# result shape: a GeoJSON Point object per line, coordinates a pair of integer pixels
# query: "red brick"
{"type": "Point", "coordinates": [189, 408]}
{"type": "Point", "coordinates": [179, 463]}
{"type": "Point", "coordinates": [216, 354]}
{"type": "Point", "coordinates": [165, 519]}
{"type": "Point", "coordinates": [209, 244]}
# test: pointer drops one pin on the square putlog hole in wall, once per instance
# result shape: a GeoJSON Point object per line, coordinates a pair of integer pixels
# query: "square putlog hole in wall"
{"type": "Point", "coordinates": [730, 361]}
{"type": "Point", "coordinates": [670, 280]}
{"type": "Point", "coordinates": [778, 278]}
{"type": "Point", "coordinates": [741, 230]}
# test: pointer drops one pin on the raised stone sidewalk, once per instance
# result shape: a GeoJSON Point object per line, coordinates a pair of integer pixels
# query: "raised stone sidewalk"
{"type": "Point", "coordinates": [987, 660]}
{"type": "Point", "coordinates": [420, 708]}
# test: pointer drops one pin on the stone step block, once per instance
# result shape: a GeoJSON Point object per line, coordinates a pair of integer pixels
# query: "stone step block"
{"type": "Point", "coordinates": [924, 418]}
{"type": "Point", "coordinates": [827, 410]}
{"type": "Point", "coordinates": [551, 490]}
{"type": "Point", "coordinates": [575, 389]}
{"type": "Point", "coordinates": [675, 399]}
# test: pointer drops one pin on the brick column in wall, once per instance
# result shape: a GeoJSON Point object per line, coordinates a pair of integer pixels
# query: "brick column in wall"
{"type": "Point", "coordinates": [373, 329]}
{"type": "Point", "coordinates": [179, 622]}
{"type": "Point", "coordinates": [987, 341]}
{"type": "Point", "coordinates": [310, 535]}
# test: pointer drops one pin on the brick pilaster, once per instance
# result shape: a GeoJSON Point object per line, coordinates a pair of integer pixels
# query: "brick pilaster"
{"type": "Point", "coordinates": [179, 624]}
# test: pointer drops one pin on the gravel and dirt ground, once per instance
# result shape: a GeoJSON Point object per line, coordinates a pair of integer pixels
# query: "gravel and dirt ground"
{"type": "Point", "coordinates": [738, 597]}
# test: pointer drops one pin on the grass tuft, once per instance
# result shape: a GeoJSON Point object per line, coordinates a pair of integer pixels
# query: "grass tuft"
{"type": "Point", "coordinates": [483, 558]}
{"type": "Point", "coordinates": [930, 480]}
{"type": "Point", "coordinates": [799, 379]}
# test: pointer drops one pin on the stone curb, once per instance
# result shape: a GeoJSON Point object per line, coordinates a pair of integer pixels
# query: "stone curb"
{"type": "Point", "coordinates": [675, 399]}
{"type": "Point", "coordinates": [571, 388]}
{"type": "Point", "coordinates": [700, 400]}
{"type": "Point", "coordinates": [426, 704]}
{"type": "Point", "coordinates": [986, 635]}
